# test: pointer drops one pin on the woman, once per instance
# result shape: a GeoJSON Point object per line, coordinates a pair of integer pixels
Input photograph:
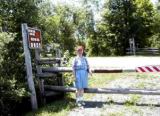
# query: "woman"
{"type": "Point", "coordinates": [80, 71]}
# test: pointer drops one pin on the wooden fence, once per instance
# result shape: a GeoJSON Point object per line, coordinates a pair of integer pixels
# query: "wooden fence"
{"type": "Point", "coordinates": [49, 90]}
{"type": "Point", "coordinates": [144, 51]}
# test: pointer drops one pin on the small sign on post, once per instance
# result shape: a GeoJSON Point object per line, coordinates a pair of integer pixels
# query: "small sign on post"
{"type": "Point", "coordinates": [34, 38]}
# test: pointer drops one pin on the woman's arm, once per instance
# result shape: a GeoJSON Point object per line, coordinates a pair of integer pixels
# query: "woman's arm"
{"type": "Point", "coordinates": [88, 67]}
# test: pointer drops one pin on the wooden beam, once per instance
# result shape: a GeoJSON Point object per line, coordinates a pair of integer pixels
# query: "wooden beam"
{"type": "Point", "coordinates": [60, 88]}
{"type": "Point", "coordinates": [48, 61]}
{"type": "Point", "coordinates": [57, 69]}
{"type": "Point", "coordinates": [106, 90]}
{"type": "Point", "coordinates": [44, 75]}
{"type": "Point", "coordinates": [94, 70]}
{"type": "Point", "coordinates": [40, 80]}
{"type": "Point", "coordinates": [51, 93]}
{"type": "Point", "coordinates": [28, 65]}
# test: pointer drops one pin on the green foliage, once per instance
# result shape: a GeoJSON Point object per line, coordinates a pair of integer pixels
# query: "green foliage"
{"type": "Point", "coordinates": [10, 92]}
{"type": "Point", "coordinates": [11, 95]}
{"type": "Point", "coordinates": [65, 26]}
{"type": "Point", "coordinates": [59, 28]}
{"type": "Point", "coordinates": [68, 77]}
{"type": "Point", "coordinates": [133, 100]}
{"type": "Point", "coordinates": [14, 13]}
{"type": "Point", "coordinates": [12, 71]}
{"type": "Point", "coordinates": [13, 60]}
{"type": "Point", "coordinates": [5, 38]}
{"type": "Point", "coordinates": [58, 108]}
{"type": "Point", "coordinates": [154, 40]}
{"type": "Point", "coordinates": [121, 21]}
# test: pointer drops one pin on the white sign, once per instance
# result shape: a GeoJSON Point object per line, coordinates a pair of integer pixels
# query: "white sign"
{"type": "Point", "coordinates": [34, 38]}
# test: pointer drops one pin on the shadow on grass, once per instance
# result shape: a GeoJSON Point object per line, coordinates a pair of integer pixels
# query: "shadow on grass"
{"type": "Point", "coordinates": [99, 104]}
{"type": "Point", "coordinates": [61, 107]}
{"type": "Point", "coordinates": [61, 104]}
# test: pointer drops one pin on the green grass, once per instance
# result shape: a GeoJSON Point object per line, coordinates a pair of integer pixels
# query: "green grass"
{"type": "Point", "coordinates": [100, 80]}
{"type": "Point", "coordinates": [64, 106]}
{"type": "Point", "coordinates": [141, 85]}
{"type": "Point", "coordinates": [57, 108]}
{"type": "Point", "coordinates": [133, 100]}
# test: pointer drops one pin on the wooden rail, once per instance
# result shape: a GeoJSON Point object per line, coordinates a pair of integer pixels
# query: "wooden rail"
{"type": "Point", "coordinates": [106, 90]}
{"type": "Point", "coordinates": [48, 61]}
{"type": "Point", "coordinates": [144, 51]}
{"type": "Point", "coordinates": [94, 70]}
{"type": "Point", "coordinates": [43, 75]}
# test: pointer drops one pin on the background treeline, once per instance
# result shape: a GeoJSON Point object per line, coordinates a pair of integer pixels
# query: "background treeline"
{"type": "Point", "coordinates": [103, 28]}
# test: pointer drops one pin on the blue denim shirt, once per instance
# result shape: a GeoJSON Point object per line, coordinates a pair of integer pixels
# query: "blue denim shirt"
{"type": "Point", "coordinates": [80, 63]}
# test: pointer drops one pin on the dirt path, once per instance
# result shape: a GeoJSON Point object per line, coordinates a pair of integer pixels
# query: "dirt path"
{"type": "Point", "coordinates": [124, 105]}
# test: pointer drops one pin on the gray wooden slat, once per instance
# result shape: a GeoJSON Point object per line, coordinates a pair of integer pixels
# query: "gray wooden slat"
{"type": "Point", "coordinates": [43, 75]}
{"type": "Point", "coordinates": [48, 61]}
{"type": "Point", "coordinates": [28, 64]}
{"type": "Point", "coordinates": [106, 90]}
{"type": "Point", "coordinates": [94, 70]}
{"type": "Point", "coordinates": [51, 93]}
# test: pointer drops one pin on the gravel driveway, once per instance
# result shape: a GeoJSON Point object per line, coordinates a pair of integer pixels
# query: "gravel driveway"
{"type": "Point", "coordinates": [126, 62]}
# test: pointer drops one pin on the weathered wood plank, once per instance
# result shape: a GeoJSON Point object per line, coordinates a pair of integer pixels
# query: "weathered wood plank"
{"type": "Point", "coordinates": [44, 75]}
{"type": "Point", "coordinates": [57, 69]}
{"type": "Point", "coordinates": [48, 61]}
{"type": "Point", "coordinates": [40, 80]}
{"type": "Point", "coordinates": [94, 70]}
{"type": "Point", "coordinates": [51, 93]}
{"type": "Point", "coordinates": [106, 90]}
{"type": "Point", "coordinates": [28, 64]}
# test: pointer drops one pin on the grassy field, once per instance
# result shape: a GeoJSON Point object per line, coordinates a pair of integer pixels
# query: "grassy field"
{"type": "Point", "coordinates": [64, 106]}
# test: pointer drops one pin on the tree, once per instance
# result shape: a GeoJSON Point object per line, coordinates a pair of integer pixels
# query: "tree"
{"type": "Point", "coordinates": [67, 26]}
{"type": "Point", "coordinates": [18, 12]}
{"type": "Point", "coordinates": [12, 68]}
{"type": "Point", "coordinates": [58, 29]}
{"type": "Point", "coordinates": [122, 20]}
{"type": "Point", "coordinates": [91, 8]}
{"type": "Point", "coordinates": [154, 40]}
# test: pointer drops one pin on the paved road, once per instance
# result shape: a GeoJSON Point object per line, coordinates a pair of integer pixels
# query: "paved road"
{"type": "Point", "coordinates": [126, 62]}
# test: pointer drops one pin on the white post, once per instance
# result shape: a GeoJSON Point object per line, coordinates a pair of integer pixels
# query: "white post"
{"type": "Point", "coordinates": [134, 48]}
{"type": "Point", "coordinates": [29, 67]}
{"type": "Point", "coordinates": [130, 46]}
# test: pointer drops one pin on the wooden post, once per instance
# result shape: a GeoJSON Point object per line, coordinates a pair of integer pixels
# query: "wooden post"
{"type": "Point", "coordinates": [40, 81]}
{"type": "Point", "coordinates": [29, 67]}
{"type": "Point", "coordinates": [60, 79]}
{"type": "Point", "coordinates": [60, 75]}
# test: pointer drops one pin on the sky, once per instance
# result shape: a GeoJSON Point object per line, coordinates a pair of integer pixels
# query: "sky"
{"type": "Point", "coordinates": [154, 1]}
{"type": "Point", "coordinates": [77, 1]}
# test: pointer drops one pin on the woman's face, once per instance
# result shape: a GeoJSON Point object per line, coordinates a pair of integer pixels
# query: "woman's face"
{"type": "Point", "coordinates": [80, 51]}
